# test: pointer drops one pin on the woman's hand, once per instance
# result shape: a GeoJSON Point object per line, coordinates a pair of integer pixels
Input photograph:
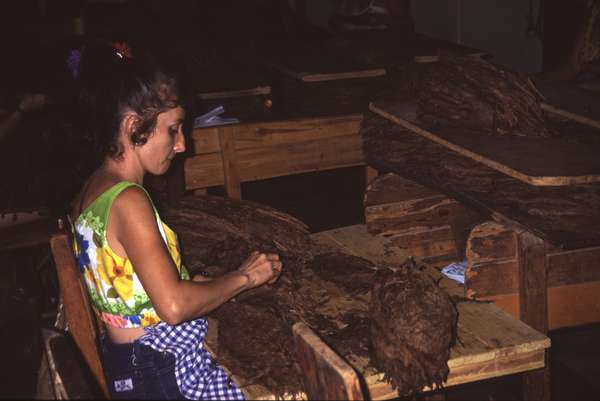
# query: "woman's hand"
{"type": "Point", "coordinates": [261, 268]}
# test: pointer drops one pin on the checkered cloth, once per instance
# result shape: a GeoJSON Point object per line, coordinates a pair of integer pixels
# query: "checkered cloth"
{"type": "Point", "coordinates": [198, 376]}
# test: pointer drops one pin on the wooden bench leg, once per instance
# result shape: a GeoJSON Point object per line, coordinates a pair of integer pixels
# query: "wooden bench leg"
{"type": "Point", "coordinates": [533, 302]}
{"type": "Point", "coordinates": [370, 174]}
{"type": "Point", "coordinates": [230, 167]}
{"type": "Point", "coordinates": [326, 376]}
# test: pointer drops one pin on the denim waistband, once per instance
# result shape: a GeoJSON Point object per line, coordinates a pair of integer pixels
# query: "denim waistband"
{"type": "Point", "coordinates": [133, 353]}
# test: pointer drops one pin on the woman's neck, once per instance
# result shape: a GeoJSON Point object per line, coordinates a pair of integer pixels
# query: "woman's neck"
{"type": "Point", "coordinates": [123, 171]}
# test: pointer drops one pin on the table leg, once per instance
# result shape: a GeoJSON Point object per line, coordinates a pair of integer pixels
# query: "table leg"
{"type": "Point", "coordinates": [370, 174]}
{"type": "Point", "coordinates": [230, 167]}
{"type": "Point", "coordinates": [533, 302]}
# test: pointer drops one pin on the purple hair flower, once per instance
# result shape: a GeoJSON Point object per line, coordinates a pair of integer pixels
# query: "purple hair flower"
{"type": "Point", "coordinates": [73, 61]}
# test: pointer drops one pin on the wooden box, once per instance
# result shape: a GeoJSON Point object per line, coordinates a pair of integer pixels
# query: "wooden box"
{"type": "Point", "coordinates": [424, 221]}
{"type": "Point", "coordinates": [573, 276]}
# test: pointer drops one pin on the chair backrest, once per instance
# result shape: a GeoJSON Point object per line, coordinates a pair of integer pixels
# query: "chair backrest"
{"type": "Point", "coordinates": [326, 375]}
{"type": "Point", "coordinates": [80, 317]}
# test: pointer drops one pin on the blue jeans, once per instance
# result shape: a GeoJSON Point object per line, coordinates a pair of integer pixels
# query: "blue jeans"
{"type": "Point", "coordinates": [136, 371]}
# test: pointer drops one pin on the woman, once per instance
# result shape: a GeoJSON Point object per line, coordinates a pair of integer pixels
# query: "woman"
{"type": "Point", "coordinates": [153, 346]}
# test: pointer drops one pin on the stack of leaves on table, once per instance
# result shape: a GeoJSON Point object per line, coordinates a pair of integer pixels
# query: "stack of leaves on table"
{"type": "Point", "coordinates": [328, 290]}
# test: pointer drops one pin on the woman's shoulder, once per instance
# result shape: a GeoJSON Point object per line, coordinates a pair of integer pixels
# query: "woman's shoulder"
{"type": "Point", "coordinates": [130, 192]}
{"type": "Point", "coordinates": [134, 199]}
{"type": "Point", "coordinates": [102, 196]}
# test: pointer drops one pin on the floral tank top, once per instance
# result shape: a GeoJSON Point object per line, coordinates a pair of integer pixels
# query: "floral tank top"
{"type": "Point", "coordinates": [115, 290]}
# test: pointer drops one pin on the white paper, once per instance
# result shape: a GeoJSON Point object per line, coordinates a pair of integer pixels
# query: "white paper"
{"type": "Point", "coordinates": [456, 271]}
{"type": "Point", "coordinates": [213, 118]}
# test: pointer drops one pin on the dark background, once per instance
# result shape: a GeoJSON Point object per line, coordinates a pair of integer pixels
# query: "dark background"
{"type": "Point", "coordinates": [35, 37]}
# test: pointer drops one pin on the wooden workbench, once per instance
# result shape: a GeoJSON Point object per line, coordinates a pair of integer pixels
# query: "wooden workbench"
{"type": "Point", "coordinates": [232, 154]}
{"type": "Point", "coordinates": [318, 91]}
{"type": "Point", "coordinates": [564, 217]}
{"type": "Point", "coordinates": [491, 342]}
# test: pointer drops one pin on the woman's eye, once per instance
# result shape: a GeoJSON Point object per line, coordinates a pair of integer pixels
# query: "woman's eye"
{"type": "Point", "coordinates": [173, 131]}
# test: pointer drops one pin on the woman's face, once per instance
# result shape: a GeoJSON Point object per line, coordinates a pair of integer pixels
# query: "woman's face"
{"type": "Point", "coordinates": [164, 143]}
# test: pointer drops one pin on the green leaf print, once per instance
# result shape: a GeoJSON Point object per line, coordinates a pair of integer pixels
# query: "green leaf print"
{"type": "Point", "coordinates": [142, 302]}
{"type": "Point", "coordinates": [184, 274]}
{"type": "Point", "coordinates": [112, 293]}
{"type": "Point", "coordinates": [97, 240]}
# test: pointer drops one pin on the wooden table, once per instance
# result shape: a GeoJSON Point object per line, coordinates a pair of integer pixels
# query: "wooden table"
{"type": "Point", "coordinates": [313, 126]}
{"type": "Point", "coordinates": [231, 154]}
{"type": "Point", "coordinates": [541, 216]}
{"type": "Point", "coordinates": [491, 342]}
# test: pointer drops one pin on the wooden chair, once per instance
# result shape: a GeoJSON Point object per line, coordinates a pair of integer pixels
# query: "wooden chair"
{"type": "Point", "coordinates": [80, 318]}
{"type": "Point", "coordinates": [326, 375]}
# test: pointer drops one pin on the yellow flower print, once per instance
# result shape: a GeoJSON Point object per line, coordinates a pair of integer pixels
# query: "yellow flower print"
{"type": "Point", "coordinates": [173, 245]}
{"type": "Point", "coordinates": [118, 273]}
{"type": "Point", "coordinates": [122, 279]}
{"type": "Point", "coordinates": [150, 318]}
{"type": "Point", "coordinates": [105, 264]}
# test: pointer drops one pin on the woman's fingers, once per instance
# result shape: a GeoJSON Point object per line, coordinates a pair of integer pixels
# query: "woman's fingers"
{"type": "Point", "coordinates": [262, 267]}
{"type": "Point", "coordinates": [276, 268]}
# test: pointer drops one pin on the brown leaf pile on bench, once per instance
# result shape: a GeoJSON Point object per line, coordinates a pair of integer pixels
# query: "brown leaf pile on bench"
{"type": "Point", "coordinates": [472, 94]}
{"type": "Point", "coordinates": [329, 291]}
{"type": "Point", "coordinates": [413, 327]}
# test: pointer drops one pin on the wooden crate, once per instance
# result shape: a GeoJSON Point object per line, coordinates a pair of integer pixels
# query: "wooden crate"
{"type": "Point", "coordinates": [573, 276]}
{"type": "Point", "coordinates": [426, 222]}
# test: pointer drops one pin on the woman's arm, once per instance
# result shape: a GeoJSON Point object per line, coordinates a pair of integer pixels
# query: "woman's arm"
{"type": "Point", "coordinates": [133, 229]}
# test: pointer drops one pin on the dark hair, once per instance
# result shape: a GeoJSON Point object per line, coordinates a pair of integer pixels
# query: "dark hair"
{"type": "Point", "coordinates": [112, 84]}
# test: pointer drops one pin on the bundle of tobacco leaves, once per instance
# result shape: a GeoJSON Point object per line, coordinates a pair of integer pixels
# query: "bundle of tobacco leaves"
{"type": "Point", "coordinates": [472, 94]}
{"type": "Point", "coordinates": [413, 327]}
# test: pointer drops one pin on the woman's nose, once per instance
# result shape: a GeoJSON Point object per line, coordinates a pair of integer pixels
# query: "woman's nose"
{"type": "Point", "coordinates": [179, 143]}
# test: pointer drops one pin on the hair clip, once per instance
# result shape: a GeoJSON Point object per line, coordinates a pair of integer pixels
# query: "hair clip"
{"type": "Point", "coordinates": [122, 49]}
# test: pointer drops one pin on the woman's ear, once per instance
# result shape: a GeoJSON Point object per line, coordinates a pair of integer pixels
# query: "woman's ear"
{"type": "Point", "coordinates": [130, 123]}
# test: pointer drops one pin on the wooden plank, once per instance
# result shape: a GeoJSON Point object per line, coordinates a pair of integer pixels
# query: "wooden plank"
{"type": "Point", "coordinates": [572, 116]}
{"type": "Point", "coordinates": [206, 140]}
{"type": "Point", "coordinates": [565, 216]}
{"type": "Point", "coordinates": [203, 171]}
{"type": "Point", "coordinates": [444, 249]}
{"type": "Point", "coordinates": [533, 305]}
{"type": "Point", "coordinates": [573, 276]}
{"type": "Point", "coordinates": [279, 160]}
{"type": "Point", "coordinates": [516, 157]}
{"type": "Point", "coordinates": [395, 218]}
{"type": "Point", "coordinates": [501, 366]}
{"type": "Point", "coordinates": [431, 225]}
{"type": "Point", "coordinates": [375, 72]}
{"type": "Point", "coordinates": [355, 240]}
{"type": "Point", "coordinates": [502, 346]}
{"type": "Point", "coordinates": [80, 318]}
{"type": "Point", "coordinates": [370, 174]}
{"type": "Point", "coordinates": [229, 159]}
{"type": "Point", "coordinates": [495, 276]}
{"type": "Point", "coordinates": [568, 306]}
{"type": "Point", "coordinates": [570, 97]}
{"type": "Point", "coordinates": [419, 234]}
{"type": "Point", "coordinates": [326, 376]}
{"type": "Point", "coordinates": [260, 90]}
{"type": "Point", "coordinates": [391, 188]}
